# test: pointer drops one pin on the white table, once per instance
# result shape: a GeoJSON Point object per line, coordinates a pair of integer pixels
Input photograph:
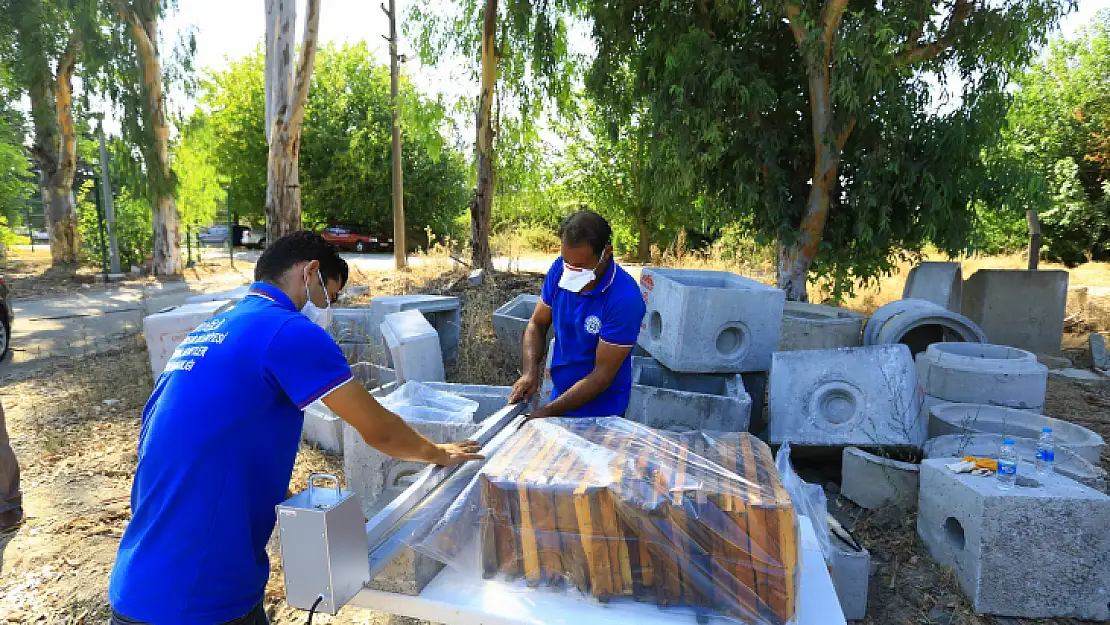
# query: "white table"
{"type": "Point", "coordinates": [457, 599]}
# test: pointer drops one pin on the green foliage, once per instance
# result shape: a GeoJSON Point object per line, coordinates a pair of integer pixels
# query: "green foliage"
{"type": "Point", "coordinates": [16, 177]}
{"type": "Point", "coordinates": [345, 144]}
{"type": "Point", "coordinates": [199, 190]}
{"type": "Point", "coordinates": [1057, 128]}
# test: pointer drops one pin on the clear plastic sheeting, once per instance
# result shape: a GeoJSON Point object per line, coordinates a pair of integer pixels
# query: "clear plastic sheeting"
{"type": "Point", "coordinates": [618, 511]}
{"type": "Point", "coordinates": [414, 401]}
{"type": "Point", "coordinates": [809, 499]}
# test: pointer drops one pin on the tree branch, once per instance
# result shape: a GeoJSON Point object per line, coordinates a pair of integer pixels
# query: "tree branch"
{"type": "Point", "coordinates": [304, 66]}
{"type": "Point", "coordinates": [832, 14]}
{"type": "Point", "coordinates": [794, 14]}
{"type": "Point", "coordinates": [842, 138]}
{"type": "Point", "coordinates": [914, 53]}
{"type": "Point", "coordinates": [63, 97]}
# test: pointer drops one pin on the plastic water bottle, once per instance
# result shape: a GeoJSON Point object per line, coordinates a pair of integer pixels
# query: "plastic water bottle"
{"type": "Point", "coordinates": [1007, 465]}
{"type": "Point", "coordinates": [1046, 453]}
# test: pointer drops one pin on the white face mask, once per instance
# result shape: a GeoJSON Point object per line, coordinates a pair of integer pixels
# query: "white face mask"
{"type": "Point", "coordinates": [574, 279]}
{"type": "Point", "coordinates": [315, 314]}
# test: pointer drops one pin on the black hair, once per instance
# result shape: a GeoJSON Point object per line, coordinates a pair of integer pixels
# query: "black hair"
{"type": "Point", "coordinates": [299, 247]}
{"type": "Point", "coordinates": [586, 226]}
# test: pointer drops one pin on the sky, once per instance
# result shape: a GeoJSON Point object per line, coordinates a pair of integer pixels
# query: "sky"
{"type": "Point", "coordinates": [227, 30]}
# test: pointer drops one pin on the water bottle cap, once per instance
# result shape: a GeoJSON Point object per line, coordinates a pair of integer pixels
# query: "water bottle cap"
{"type": "Point", "coordinates": [1007, 441]}
{"type": "Point", "coordinates": [1046, 430]}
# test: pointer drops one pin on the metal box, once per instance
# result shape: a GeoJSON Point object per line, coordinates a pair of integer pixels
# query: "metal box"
{"type": "Point", "coordinates": [323, 546]}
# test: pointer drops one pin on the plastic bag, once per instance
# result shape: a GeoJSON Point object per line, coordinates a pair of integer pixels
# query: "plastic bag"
{"type": "Point", "coordinates": [414, 401]}
{"type": "Point", "coordinates": [809, 499]}
{"type": "Point", "coordinates": [618, 511]}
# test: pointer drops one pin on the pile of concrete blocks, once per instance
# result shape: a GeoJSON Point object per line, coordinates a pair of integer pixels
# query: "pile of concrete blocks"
{"type": "Point", "coordinates": [856, 396]}
{"type": "Point", "coordinates": [1039, 550]}
{"type": "Point", "coordinates": [362, 326]}
{"type": "Point", "coordinates": [1023, 309]}
{"type": "Point", "coordinates": [708, 333]}
{"type": "Point", "coordinates": [939, 283]}
{"type": "Point", "coordinates": [918, 323]}
{"type": "Point", "coordinates": [813, 326]}
{"type": "Point", "coordinates": [511, 320]}
{"type": "Point", "coordinates": [414, 347]}
{"type": "Point", "coordinates": [164, 330]}
{"type": "Point", "coordinates": [982, 419]}
{"type": "Point", "coordinates": [981, 373]}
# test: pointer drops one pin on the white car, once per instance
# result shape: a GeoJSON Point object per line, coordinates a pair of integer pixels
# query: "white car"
{"type": "Point", "coordinates": [40, 235]}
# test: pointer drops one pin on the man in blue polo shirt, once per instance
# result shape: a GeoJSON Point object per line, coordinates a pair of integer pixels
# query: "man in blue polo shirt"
{"type": "Point", "coordinates": [220, 434]}
{"type": "Point", "coordinates": [597, 309]}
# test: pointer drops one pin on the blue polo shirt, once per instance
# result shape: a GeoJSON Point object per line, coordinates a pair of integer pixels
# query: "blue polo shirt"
{"type": "Point", "coordinates": [216, 450]}
{"type": "Point", "coordinates": [611, 312]}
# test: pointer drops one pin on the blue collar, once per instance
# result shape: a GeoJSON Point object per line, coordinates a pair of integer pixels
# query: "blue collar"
{"type": "Point", "coordinates": [606, 280]}
{"type": "Point", "coordinates": [272, 293]}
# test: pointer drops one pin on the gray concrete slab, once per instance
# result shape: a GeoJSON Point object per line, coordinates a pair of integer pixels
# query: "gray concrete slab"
{"type": "Point", "coordinates": [812, 326]}
{"type": "Point", "coordinates": [1019, 308]}
{"type": "Point", "coordinates": [980, 419]}
{"type": "Point", "coordinates": [861, 396]}
{"type": "Point", "coordinates": [414, 346]}
{"type": "Point", "coordinates": [709, 321]}
{"type": "Point", "coordinates": [873, 482]}
{"type": "Point", "coordinates": [851, 576]}
{"type": "Point", "coordinates": [938, 282]}
{"type": "Point", "coordinates": [680, 402]}
{"type": "Point", "coordinates": [981, 373]}
{"type": "Point", "coordinates": [1034, 551]}
{"type": "Point", "coordinates": [1097, 346]}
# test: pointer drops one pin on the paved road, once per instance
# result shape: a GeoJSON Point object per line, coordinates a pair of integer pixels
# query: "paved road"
{"type": "Point", "coordinates": [384, 262]}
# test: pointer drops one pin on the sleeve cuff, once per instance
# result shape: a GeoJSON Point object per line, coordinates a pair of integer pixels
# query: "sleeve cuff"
{"type": "Point", "coordinates": [327, 390]}
{"type": "Point", "coordinates": [618, 343]}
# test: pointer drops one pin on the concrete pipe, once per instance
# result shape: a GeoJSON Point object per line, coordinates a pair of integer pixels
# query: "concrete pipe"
{"type": "Point", "coordinates": [918, 324]}
{"type": "Point", "coordinates": [980, 373]}
{"type": "Point", "coordinates": [812, 326]}
{"type": "Point", "coordinates": [982, 419]}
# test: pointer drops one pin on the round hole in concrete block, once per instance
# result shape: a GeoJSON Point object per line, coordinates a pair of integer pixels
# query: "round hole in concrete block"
{"type": "Point", "coordinates": [731, 341]}
{"type": "Point", "coordinates": [655, 325]}
{"type": "Point", "coordinates": [836, 402]}
{"type": "Point", "coordinates": [954, 533]}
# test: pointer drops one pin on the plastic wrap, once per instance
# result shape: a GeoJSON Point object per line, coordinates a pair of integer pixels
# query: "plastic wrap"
{"type": "Point", "coordinates": [414, 401]}
{"type": "Point", "coordinates": [619, 511]}
{"type": "Point", "coordinates": [809, 499]}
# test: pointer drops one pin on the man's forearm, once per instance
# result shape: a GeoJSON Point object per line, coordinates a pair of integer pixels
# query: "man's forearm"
{"type": "Point", "coordinates": [533, 349]}
{"type": "Point", "coordinates": [580, 394]}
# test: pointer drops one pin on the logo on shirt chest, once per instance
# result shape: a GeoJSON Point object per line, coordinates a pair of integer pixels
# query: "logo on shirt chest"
{"type": "Point", "coordinates": [593, 324]}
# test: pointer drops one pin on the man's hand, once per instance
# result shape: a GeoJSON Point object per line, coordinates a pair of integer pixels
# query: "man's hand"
{"type": "Point", "coordinates": [539, 413]}
{"type": "Point", "coordinates": [524, 389]}
{"type": "Point", "coordinates": [451, 454]}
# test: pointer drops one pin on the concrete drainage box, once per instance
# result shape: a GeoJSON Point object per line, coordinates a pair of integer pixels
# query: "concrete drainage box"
{"type": "Point", "coordinates": [862, 396]}
{"type": "Point", "coordinates": [813, 326]}
{"type": "Point", "coordinates": [680, 402]}
{"type": "Point", "coordinates": [414, 346]}
{"type": "Point", "coordinates": [939, 283]}
{"type": "Point", "coordinates": [511, 320]}
{"type": "Point", "coordinates": [1035, 551]}
{"type": "Point", "coordinates": [709, 321]}
{"type": "Point", "coordinates": [442, 311]}
{"type": "Point", "coordinates": [1019, 308]}
{"type": "Point", "coordinates": [982, 419]}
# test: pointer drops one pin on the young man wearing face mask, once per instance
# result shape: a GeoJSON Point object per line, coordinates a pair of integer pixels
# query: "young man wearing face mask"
{"type": "Point", "coordinates": [219, 437]}
{"type": "Point", "coordinates": [596, 308]}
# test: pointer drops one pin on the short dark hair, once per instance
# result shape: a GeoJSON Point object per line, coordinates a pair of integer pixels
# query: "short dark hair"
{"type": "Point", "coordinates": [299, 247]}
{"type": "Point", "coordinates": [586, 226]}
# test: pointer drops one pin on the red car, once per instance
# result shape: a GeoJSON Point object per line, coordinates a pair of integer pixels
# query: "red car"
{"type": "Point", "coordinates": [349, 237]}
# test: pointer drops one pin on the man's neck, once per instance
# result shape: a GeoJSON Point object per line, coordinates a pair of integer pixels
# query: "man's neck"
{"type": "Point", "coordinates": [599, 272]}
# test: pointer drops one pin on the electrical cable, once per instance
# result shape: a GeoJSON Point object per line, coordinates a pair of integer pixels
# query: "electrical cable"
{"type": "Point", "coordinates": [313, 609]}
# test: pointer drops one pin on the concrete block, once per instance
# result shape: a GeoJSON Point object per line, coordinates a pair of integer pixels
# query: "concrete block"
{"type": "Point", "coordinates": [918, 324]}
{"type": "Point", "coordinates": [510, 321]}
{"type": "Point", "coordinates": [812, 326]}
{"type": "Point", "coordinates": [407, 574]}
{"type": "Point", "coordinates": [980, 419]}
{"type": "Point", "coordinates": [1067, 462]}
{"type": "Point", "coordinates": [372, 376]}
{"type": "Point", "coordinates": [233, 295]}
{"type": "Point", "coordinates": [939, 283]}
{"type": "Point", "coordinates": [1019, 308]}
{"type": "Point", "coordinates": [165, 330]}
{"type": "Point", "coordinates": [1097, 346]}
{"type": "Point", "coordinates": [863, 396]}
{"type": "Point", "coordinates": [1055, 362]}
{"type": "Point", "coordinates": [1036, 551]}
{"type": "Point", "coordinates": [851, 575]}
{"type": "Point", "coordinates": [1083, 376]}
{"type": "Point", "coordinates": [414, 346]}
{"type": "Point", "coordinates": [680, 402]}
{"type": "Point", "coordinates": [476, 277]}
{"type": "Point", "coordinates": [374, 475]}
{"type": "Point", "coordinates": [980, 373]}
{"type": "Point", "coordinates": [874, 482]}
{"type": "Point", "coordinates": [323, 427]}
{"type": "Point", "coordinates": [442, 311]}
{"type": "Point", "coordinates": [709, 321]}
{"type": "Point", "coordinates": [931, 401]}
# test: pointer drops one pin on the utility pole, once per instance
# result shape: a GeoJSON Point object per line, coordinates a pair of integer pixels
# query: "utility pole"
{"type": "Point", "coordinates": [106, 193]}
{"type": "Point", "coordinates": [1034, 238]}
{"type": "Point", "coordinates": [399, 249]}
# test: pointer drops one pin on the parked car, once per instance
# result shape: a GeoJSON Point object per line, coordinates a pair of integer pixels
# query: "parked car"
{"type": "Point", "coordinates": [250, 237]}
{"type": "Point", "coordinates": [357, 238]}
{"type": "Point", "coordinates": [213, 236]}
{"type": "Point", "coordinates": [40, 235]}
{"type": "Point", "coordinates": [7, 316]}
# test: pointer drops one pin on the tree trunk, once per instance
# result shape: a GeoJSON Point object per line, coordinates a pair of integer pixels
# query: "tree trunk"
{"type": "Point", "coordinates": [164, 217]}
{"type": "Point", "coordinates": [481, 205]}
{"type": "Point", "coordinates": [285, 103]}
{"type": "Point", "coordinates": [643, 254]}
{"type": "Point", "coordinates": [55, 151]}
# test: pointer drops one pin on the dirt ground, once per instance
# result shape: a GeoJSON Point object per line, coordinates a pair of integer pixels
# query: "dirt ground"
{"type": "Point", "coordinates": [75, 429]}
